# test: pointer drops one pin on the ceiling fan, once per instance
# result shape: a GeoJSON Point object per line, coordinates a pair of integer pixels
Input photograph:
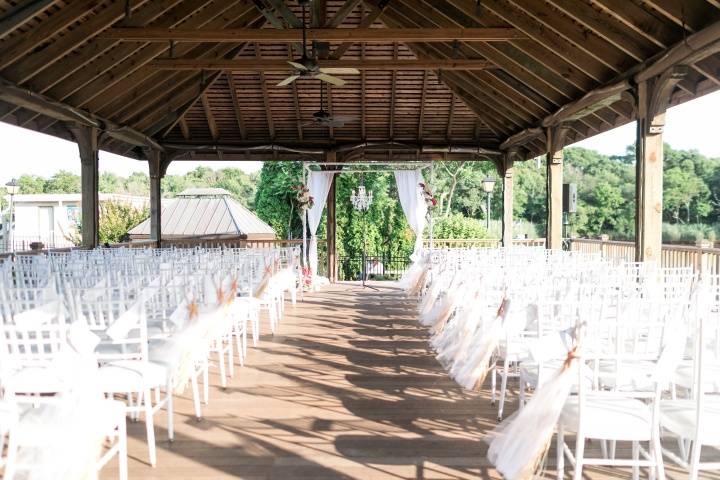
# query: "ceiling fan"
{"type": "Point", "coordinates": [307, 66]}
{"type": "Point", "coordinates": [323, 118]}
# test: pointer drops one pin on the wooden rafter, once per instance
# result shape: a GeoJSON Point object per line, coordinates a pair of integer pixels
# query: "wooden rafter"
{"type": "Point", "coordinates": [267, 65]}
{"type": "Point", "coordinates": [21, 13]}
{"type": "Point", "coordinates": [366, 22]}
{"type": "Point", "coordinates": [184, 129]}
{"type": "Point", "coordinates": [363, 131]}
{"type": "Point", "coordinates": [393, 91]}
{"type": "Point", "coordinates": [266, 98]}
{"type": "Point", "coordinates": [212, 125]}
{"type": "Point", "coordinates": [345, 10]}
{"type": "Point", "coordinates": [32, 65]}
{"type": "Point", "coordinates": [451, 113]}
{"type": "Point", "coordinates": [15, 47]}
{"type": "Point", "coordinates": [366, 35]}
{"type": "Point", "coordinates": [236, 106]}
{"type": "Point", "coordinates": [421, 115]}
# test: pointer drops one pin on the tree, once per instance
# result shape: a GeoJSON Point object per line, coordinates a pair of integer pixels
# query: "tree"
{"type": "Point", "coordinates": [63, 182]}
{"type": "Point", "coordinates": [30, 184]}
{"type": "Point", "coordinates": [117, 219]}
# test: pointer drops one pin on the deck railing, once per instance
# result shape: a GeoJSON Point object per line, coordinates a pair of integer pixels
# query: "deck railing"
{"type": "Point", "coordinates": [702, 257]}
{"type": "Point", "coordinates": [481, 243]}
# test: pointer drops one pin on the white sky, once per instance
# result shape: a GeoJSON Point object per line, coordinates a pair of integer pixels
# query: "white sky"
{"type": "Point", "coordinates": [692, 125]}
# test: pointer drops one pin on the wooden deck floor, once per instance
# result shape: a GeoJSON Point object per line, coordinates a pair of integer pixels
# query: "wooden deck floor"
{"type": "Point", "coordinates": [346, 389]}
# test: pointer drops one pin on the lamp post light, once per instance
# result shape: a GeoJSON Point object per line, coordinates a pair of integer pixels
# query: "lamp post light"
{"type": "Point", "coordinates": [488, 185]}
{"type": "Point", "coordinates": [12, 188]}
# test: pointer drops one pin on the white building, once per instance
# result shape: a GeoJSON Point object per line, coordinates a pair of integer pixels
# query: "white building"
{"type": "Point", "coordinates": [51, 217]}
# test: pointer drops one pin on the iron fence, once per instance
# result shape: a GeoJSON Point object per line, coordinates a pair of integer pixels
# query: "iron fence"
{"type": "Point", "coordinates": [378, 267]}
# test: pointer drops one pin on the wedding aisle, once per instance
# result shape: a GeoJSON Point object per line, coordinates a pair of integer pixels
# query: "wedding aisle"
{"type": "Point", "coordinates": [347, 388]}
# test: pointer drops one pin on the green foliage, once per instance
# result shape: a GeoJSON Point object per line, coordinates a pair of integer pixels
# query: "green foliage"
{"type": "Point", "coordinates": [117, 219]}
{"type": "Point", "coordinates": [30, 184]}
{"type": "Point", "coordinates": [456, 226]}
{"type": "Point", "coordinates": [241, 185]}
{"type": "Point", "coordinates": [275, 198]}
{"type": "Point", "coordinates": [63, 182]}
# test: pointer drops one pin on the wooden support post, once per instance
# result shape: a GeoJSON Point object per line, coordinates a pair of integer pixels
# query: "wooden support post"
{"type": "Point", "coordinates": [87, 140]}
{"type": "Point", "coordinates": [157, 163]}
{"type": "Point", "coordinates": [331, 227]}
{"type": "Point", "coordinates": [652, 98]}
{"type": "Point", "coordinates": [554, 161]}
{"type": "Point", "coordinates": [506, 174]}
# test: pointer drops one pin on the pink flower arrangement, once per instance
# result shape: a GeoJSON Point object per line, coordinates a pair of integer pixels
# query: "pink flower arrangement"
{"type": "Point", "coordinates": [304, 199]}
{"type": "Point", "coordinates": [430, 199]}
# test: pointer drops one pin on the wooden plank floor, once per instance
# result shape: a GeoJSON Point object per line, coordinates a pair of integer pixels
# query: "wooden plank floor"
{"type": "Point", "coordinates": [347, 388]}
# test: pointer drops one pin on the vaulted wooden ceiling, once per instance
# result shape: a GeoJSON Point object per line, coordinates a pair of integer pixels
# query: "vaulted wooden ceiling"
{"type": "Point", "coordinates": [125, 65]}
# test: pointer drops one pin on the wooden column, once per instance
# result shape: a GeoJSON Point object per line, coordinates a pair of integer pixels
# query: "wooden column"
{"type": "Point", "coordinates": [331, 228]}
{"type": "Point", "coordinates": [554, 162]}
{"type": "Point", "coordinates": [87, 141]}
{"type": "Point", "coordinates": [157, 163]}
{"type": "Point", "coordinates": [652, 98]}
{"type": "Point", "coordinates": [506, 173]}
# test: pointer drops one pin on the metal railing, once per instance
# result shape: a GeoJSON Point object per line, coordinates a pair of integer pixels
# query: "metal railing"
{"type": "Point", "coordinates": [702, 257]}
{"type": "Point", "coordinates": [378, 267]}
{"type": "Point", "coordinates": [481, 243]}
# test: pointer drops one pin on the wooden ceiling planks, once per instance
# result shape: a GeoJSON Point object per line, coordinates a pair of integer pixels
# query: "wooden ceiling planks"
{"type": "Point", "coordinates": [556, 52]}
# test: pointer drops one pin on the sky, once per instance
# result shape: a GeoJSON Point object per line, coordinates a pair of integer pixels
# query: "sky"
{"type": "Point", "coordinates": [692, 125]}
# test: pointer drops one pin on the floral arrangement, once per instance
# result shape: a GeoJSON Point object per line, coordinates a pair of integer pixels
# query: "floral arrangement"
{"type": "Point", "coordinates": [307, 276]}
{"type": "Point", "coordinates": [430, 199]}
{"type": "Point", "coordinates": [304, 199]}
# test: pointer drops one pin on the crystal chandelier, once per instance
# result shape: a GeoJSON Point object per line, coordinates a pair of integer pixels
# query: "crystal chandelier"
{"type": "Point", "coordinates": [362, 200]}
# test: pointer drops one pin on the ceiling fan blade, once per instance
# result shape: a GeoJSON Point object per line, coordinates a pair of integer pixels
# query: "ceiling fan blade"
{"type": "Point", "coordinates": [297, 65]}
{"type": "Point", "coordinates": [330, 79]}
{"type": "Point", "coordinates": [335, 123]}
{"type": "Point", "coordinates": [288, 80]}
{"type": "Point", "coordinates": [309, 124]}
{"type": "Point", "coordinates": [340, 71]}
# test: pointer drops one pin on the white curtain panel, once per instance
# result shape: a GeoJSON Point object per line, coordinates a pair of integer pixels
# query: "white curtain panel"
{"type": "Point", "coordinates": [319, 185]}
{"type": "Point", "coordinates": [413, 204]}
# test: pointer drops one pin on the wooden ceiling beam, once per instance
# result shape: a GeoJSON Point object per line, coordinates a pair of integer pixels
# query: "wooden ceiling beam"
{"type": "Point", "coordinates": [582, 38]}
{"type": "Point", "coordinates": [63, 112]}
{"type": "Point", "coordinates": [363, 129]}
{"type": "Point", "coordinates": [421, 115]}
{"type": "Point", "coordinates": [236, 106]}
{"type": "Point", "coordinates": [366, 22]}
{"type": "Point", "coordinates": [410, 11]}
{"type": "Point", "coordinates": [155, 11]}
{"type": "Point", "coordinates": [603, 25]}
{"type": "Point", "coordinates": [20, 14]}
{"type": "Point", "coordinates": [267, 35]}
{"type": "Point", "coordinates": [393, 94]}
{"type": "Point", "coordinates": [115, 73]}
{"type": "Point", "coordinates": [692, 15]}
{"type": "Point", "coordinates": [451, 113]}
{"type": "Point", "coordinates": [346, 9]}
{"type": "Point", "coordinates": [277, 65]}
{"type": "Point", "coordinates": [131, 99]}
{"type": "Point", "coordinates": [15, 47]}
{"type": "Point", "coordinates": [212, 125]}
{"type": "Point", "coordinates": [554, 44]}
{"type": "Point", "coordinates": [266, 99]}
{"type": "Point", "coordinates": [184, 130]}
{"type": "Point", "coordinates": [34, 63]}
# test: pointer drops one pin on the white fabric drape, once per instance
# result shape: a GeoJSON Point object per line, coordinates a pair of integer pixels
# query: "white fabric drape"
{"type": "Point", "coordinates": [413, 205]}
{"type": "Point", "coordinates": [319, 185]}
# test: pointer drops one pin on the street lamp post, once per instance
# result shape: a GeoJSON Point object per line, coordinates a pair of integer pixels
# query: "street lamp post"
{"type": "Point", "coordinates": [12, 188]}
{"type": "Point", "coordinates": [488, 185]}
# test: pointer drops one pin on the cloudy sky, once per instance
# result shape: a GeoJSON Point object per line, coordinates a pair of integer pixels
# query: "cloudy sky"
{"type": "Point", "coordinates": [692, 125]}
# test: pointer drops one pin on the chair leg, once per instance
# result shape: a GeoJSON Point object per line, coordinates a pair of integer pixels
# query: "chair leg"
{"type": "Point", "coordinates": [493, 385]}
{"type": "Point", "coordinates": [579, 456]}
{"type": "Point", "coordinates": [635, 457]}
{"type": "Point", "coordinates": [656, 453]}
{"type": "Point", "coordinates": [695, 460]}
{"type": "Point", "coordinates": [503, 388]}
{"type": "Point", "coordinates": [150, 427]}
{"type": "Point", "coordinates": [238, 344]}
{"type": "Point", "coordinates": [122, 449]}
{"type": "Point", "coordinates": [196, 395]}
{"type": "Point", "coordinates": [231, 360]}
{"type": "Point", "coordinates": [169, 408]}
{"type": "Point", "coordinates": [11, 459]}
{"type": "Point", "coordinates": [221, 363]}
{"type": "Point", "coordinates": [560, 454]}
{"type": "Point", "coordinates": [206, 382]}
